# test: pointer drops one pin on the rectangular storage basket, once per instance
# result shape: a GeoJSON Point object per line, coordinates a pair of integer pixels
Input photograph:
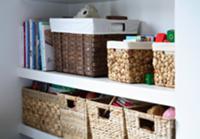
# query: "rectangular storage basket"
{"type": "Point", "coordinates": [84, 43]}
{"type": "Point", "coordinates": [110, 126]}
{"type": "Point", "coordinates": [42, 111]}
{"type": "Point", "coordinates": [129, 61]}
{"type": "Point", "coordinates": [74, 118]}
{"type": "Point", "coordinates": [164, 64]}
{"type": "Point", "coordinates": [137, 125]}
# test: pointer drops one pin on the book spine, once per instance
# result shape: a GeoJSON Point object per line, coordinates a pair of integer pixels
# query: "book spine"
{"type": "Point", "coordinates": [34, 44]}
{"type": "Point", "coordinates": [42, 46]}
{"type": "Point", "coordinates": [39, 47]}
{"type": "Point", "coordinates": [24, 37]}
{"type": "Point", "coordinates": [31, 43]}
{"type": "Point", "coordinates": [27, 45]}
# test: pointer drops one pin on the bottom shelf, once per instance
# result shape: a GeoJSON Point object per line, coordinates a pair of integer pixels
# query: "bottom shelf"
{"type": "Point", "coordinates": [34, 133]}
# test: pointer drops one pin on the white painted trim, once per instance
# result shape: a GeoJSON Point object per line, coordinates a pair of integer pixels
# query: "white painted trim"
{"type": "Point", "coordinates": [142, 92]}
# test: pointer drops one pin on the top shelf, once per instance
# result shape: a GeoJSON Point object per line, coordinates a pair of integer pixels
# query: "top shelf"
{"type": "Point", "coordinates": [152, 94]}
{"type": "Point", "coordinates": [72, 1]}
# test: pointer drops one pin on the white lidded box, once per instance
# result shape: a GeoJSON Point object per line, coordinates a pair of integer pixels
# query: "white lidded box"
{"type": "Point", "coordinates": [94, 26]}
{"type": "Point", "coordinates": [164, 64]}
{"type": "Point", "coordinates": [129, 61]}
{"type": "Point", "coordinates": [83, 43]}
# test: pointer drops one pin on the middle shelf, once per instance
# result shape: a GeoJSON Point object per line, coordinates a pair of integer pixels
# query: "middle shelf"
{"type": "Point", "coordinates": [142, 92]}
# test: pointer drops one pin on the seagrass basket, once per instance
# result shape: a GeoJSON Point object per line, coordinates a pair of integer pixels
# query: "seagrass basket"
{"type": "Point", "coordinates": [128, 62]}
{"type": "Point", "coordinates": [164, 64]}
{"type": "Point", "coordinates": [106, 121]}
{"type": "Point", "coordinates": [85, 54]}
{"type": "Point", "coordinates": [74, 118]}
{"type": "Point", "coordinates": [57, 44]}
{"type": "Point", "coordinates": [42, 111]}
{"type": "Point", "coordinates": [141, 125]}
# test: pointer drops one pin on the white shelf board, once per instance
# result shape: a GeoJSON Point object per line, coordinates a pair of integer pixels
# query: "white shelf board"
{"type": "Point", "coordinates": [34, 133]}
{"type": "Point", "coordinates": [142, 92]}
{"type": "Point", "coordinates": [71, 1]}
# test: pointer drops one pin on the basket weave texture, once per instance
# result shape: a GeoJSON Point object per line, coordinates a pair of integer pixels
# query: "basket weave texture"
{"type": "Point", "coordinates": [84, 54]}
{"type": "Point", "coordinates": [129, 65]}
{"type": "Point", "coordinates": [163, 128]}
{"type": "Point", "coordinates": [42, 111]}
{"type": "Point", "coordinates": [57, 44]}
{"type": "Point", "coordinates": [74, 119]}
{"type": "Point", "coordinates": [106, 128]}
{"type": "Point", "coordinates": [164, 66]}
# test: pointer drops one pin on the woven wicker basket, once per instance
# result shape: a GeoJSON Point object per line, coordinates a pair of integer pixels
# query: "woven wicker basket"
{"type": "Point", "coordinates": [144, 126]}
{"type": "Point", "coordinates": [74, 118]}
{"type": "Point", "coordinates": [128, 62]}
{"type": "Point", "coordinates": [106, 122]}
{"type": "Point", "coordinates": [42, 111]}
{"type": "Point", "coordinates": [57, 44]}
{"type": "Point", "coordinates": [164, 64]}
{"type": "Point", "coordinates": [83, 54]}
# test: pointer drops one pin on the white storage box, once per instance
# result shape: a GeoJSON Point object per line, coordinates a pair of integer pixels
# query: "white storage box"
{"type": "Point", "coordinates": [164, 64]}
{"type": "Point", "coordinates": [94, 26]}
{"type": "Point", "coordinates": [129, 61]}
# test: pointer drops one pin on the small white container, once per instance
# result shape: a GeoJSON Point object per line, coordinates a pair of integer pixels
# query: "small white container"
{"type": "Point", "coordinates": [164, 64]}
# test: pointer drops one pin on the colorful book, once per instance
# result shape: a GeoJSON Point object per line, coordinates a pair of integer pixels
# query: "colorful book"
{"type": "Point", "coordinates": [46, 48]}
{"type": "Point", "coordinates": [31, 43]}
{"type": "Point", "coordinates": [27, 44]}
{"type": "Point", "coordinates": [24, 41]}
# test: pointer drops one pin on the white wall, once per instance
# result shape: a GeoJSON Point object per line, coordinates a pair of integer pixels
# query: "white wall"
{"type": "Point", "coordinates": [156, 15]}
{"type": "Point", "coordinates": [188, 68]}
{"type": "Point", "coordinates": [12, 12]}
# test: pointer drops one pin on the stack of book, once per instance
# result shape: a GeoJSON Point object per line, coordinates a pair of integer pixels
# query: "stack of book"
{"type": "Point", "coordinates": [38, 52]}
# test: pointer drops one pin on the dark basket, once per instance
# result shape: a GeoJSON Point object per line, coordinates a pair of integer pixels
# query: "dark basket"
{"type": "Point", "coordinates": [84, 54]}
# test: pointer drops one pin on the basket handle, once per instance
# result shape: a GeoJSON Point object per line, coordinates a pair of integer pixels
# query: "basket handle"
{"type": "Point", "coordinates": [105, 113]}
{"type": "Point", "coordinates": [71, 102]}
{"type": "Point", "coordinates": [147, 124]}
{"type": "Point", "coordinates": [118, 27]}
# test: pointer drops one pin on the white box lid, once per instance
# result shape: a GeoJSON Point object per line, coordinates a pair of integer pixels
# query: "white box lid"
{"type": "Point", "coordinates": [164, 46]}
{"type": "Point", "coordinates": [94, 26]}
{"type": "Point", "coordinates": [129, 45]}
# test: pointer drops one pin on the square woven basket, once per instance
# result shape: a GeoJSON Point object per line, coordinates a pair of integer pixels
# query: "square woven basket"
{"type": "Point", "coordinates": [164, 64]}
{"type": "Point", "coordinates": [106, 121]}
{"type": "Point", "coordinates": [138, 126]}
{"type": "Point", "coordinates": [128, 62]}
{"type": "Point", "coordinates": [74, 118]}
{"type": "Point", "coordinates": [42, 111]}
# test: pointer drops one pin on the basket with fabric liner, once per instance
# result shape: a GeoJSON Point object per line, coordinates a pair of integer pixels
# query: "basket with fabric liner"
{"type": "Point", "coordinates": [164, 64]}
{"type": "Point", "coordinates": [128, 62]}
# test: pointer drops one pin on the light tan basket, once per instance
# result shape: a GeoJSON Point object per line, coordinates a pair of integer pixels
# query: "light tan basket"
{"type": "Point", "coordinates": [74, 118]}
{"type": "Point", "coordinates": [164, 64]}
{"type": "Point", "coordinates": [106, 127]}
{"type": "Point", "coordinates": [138, 126]}
{"type": "Point", "coordinates": [129, 61]}
{"type": "Point", "coordinates": [42, 111]}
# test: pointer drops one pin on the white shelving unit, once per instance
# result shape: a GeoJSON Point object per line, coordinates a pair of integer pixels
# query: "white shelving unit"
{"type": "Point", "coordinates": [152, 94]}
